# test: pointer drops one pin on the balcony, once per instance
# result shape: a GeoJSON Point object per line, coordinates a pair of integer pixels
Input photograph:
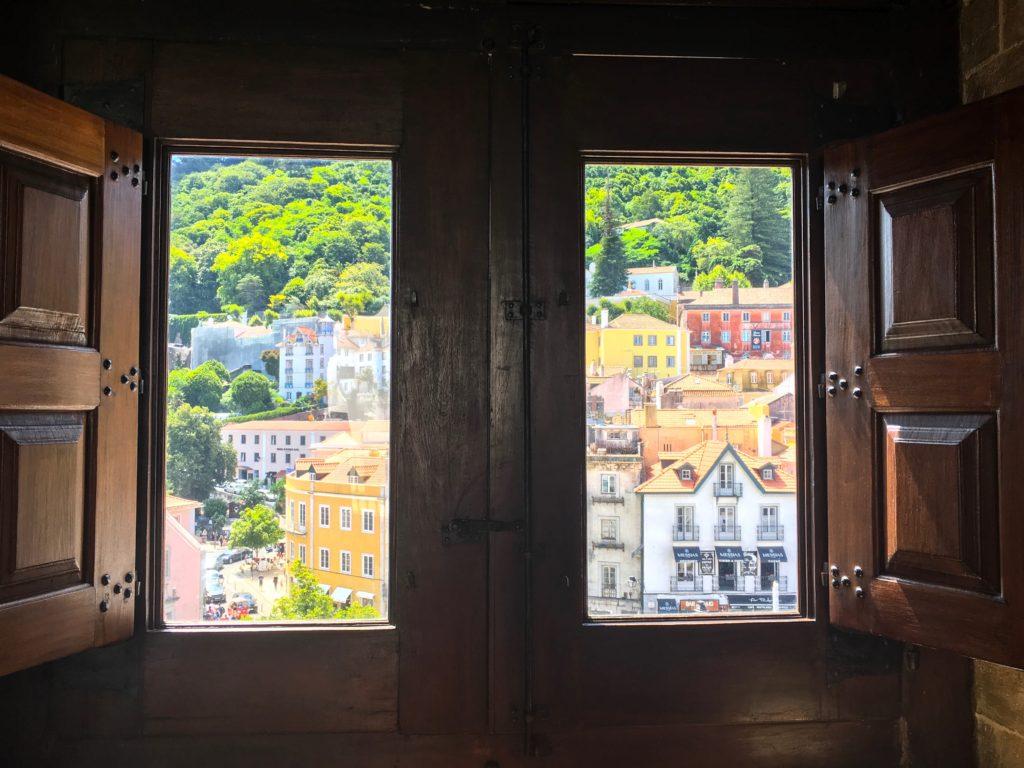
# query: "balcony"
{"type": "Point", "coordinates": [607, 499]}
{"type": "Point", "coordinates": [727, 532]}
{"type": "Point", "coordinates": [685, 532]}
{"type": "Point", "coordinates": [770, 532]}
{"type": "Point", "coordinates": [731, 490]}
{"type": "Point", "coordinates": [609, 544]}
{"type": "Point", "coordinates": [685, 585]}
{"type": "Point", "coordinates": [609, 592]}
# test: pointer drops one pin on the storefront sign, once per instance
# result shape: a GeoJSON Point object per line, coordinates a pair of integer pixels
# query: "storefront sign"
{"type": "Point", "coordinates": [707, 562]}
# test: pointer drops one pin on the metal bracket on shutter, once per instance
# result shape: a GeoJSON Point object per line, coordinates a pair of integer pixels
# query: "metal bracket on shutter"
{"type": "Point", "coordinates": [515, 310]}
{"type": "Point", "coordinates": [461, 530]}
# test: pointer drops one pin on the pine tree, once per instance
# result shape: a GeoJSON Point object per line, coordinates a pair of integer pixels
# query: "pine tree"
{"type": "Point", "coordinates": [610, 264]}
{"type": "Point", "coordinates": [758, 214]}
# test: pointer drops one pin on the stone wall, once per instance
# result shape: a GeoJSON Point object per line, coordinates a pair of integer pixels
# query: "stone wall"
{"type": "Point", "coordinates": [992, 61]}
{"type": "Point", "coordinates": [991, 47]}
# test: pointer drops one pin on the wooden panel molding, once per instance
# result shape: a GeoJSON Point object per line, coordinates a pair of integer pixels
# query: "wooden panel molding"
{"type": "Point", "coordinates": [934, 244]}
{"type": "Point", "coordinates": [940, 522]}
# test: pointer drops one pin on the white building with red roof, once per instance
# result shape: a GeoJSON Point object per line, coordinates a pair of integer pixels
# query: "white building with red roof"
{"type": "Point", "coordinates": [719, 531]}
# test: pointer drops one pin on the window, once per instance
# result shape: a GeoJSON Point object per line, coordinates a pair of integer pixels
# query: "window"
{"type": "Point", "coordinates": [769, 377]}
{"type": "Point", "coordinates": [325, 559]}
{"type": "Point", "coordinates": [255, 457]}
{"type": "Point", "coordinates": [368, 566]}
{"type": "Point", "coordinates": [273, 439]}
{"type": "Point", "coordinates": [697, 530]}
{"type": "Point", "coordinates": [647, 285]}
{"type": "Point", "coordinates": [325, 516]}
{"type": "Point", "coordinates": [302, 439]}
{"type": "Point", "coordinates": [767, 473]}
{"type": "Point", "coordinates": [241, 456]}
{"type": "Point", "coordinates": [302, 553]}
{"type": "Point", "coordinates": [346, 518]}
{"type": "Point", "coordinates": [273, 458]}
{"type": "Point", "coordinates": [287, 439]}
{"type": "Point", "coordinates": [753, 377]}
{"type": "Point", "coordinates": [302, 514]}
{"type": "Point", "coordinates": [367, 521]}
{"type": "Point", "coordinates": [345, 561]}
{"type": "Point", "coordinates": [609, 581]}
{"type": "Point", "coordinates": [786, 316]}
{"type": "Point", "coordinates": [231, 439]}
{"type": "Point", "coordinates": [787, 336]}
{"type": "Point", "coordinates": [661, 284]}
{"type": "Point", "coordinates": [256, 439]}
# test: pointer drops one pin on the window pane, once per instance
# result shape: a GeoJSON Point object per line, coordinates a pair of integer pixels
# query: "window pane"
{"type": "Point", "coordinates": [279, 335]}
{"type": "Point", "coordinates": [701, 440]}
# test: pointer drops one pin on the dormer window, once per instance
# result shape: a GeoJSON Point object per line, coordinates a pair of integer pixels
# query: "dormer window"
{"type": "Point", "coordinates": [768, 473]}
{"type": "Point", "coordinates": [353, 476]}
{"type": "Point", "coordinates": [686, 474]}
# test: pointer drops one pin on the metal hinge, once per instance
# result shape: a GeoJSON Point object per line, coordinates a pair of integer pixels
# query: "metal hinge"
{"type": "Point", "coordinates": [465, 529]}
{"type": "Point", "coordinates": [514, 310]}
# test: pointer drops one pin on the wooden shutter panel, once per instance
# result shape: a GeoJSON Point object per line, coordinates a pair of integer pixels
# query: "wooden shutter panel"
{"type": "Point", "coordinates": [70, 228]}
{"type": "Point", "coordinates": [924, 230]}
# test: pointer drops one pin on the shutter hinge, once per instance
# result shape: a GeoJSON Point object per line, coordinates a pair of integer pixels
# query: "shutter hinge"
{"type": "Point", "coordinates": [515, 310]}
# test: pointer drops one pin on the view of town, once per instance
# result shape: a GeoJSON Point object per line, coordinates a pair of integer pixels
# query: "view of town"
{"type": "Point", "coordinates": [278, 390]}
{"type": "Point", "coordinates": [691, 433]}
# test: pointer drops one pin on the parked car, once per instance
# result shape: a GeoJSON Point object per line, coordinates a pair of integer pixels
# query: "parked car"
{"type": "Point", "coordinates": [245, 598]}
{"type": "Point", "coordinates": [232, 556]}
{"type": "Point", "coordinates": [213, 591]}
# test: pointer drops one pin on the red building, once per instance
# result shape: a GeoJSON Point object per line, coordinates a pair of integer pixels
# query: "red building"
{"type": "Point", "coordinates": [755, 322]}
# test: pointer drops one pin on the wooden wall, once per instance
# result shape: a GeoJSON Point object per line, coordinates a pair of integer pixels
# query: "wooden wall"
{"type": "Point", "coordinates": [848, 703]}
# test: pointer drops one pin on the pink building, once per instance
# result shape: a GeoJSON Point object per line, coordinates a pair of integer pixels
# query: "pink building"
{"type": "Point", "coordinates": [183, 561]}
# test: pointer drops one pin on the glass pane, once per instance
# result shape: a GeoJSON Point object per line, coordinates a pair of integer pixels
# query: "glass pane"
{"type": "Point", "coordinates": [689, 363]}
{"type": "Point", "coordinates": [279, 360]}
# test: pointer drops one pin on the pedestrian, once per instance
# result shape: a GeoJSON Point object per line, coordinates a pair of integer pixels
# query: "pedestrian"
{"type": "Point", "coordinates": [275, 582]}
{"type": "Point", "coordinates": [261, 581]}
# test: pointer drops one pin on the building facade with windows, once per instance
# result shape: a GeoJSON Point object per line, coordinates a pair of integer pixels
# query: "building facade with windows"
{"type": "Point", "coordinates": [757, 375]}
{"type": "Point", "coordinates": [754, 322]}
{"type": "Point", "coordinates": [719, 532]}
{"type": "Point", "coordinates": [654, 281]}
{"type": "Point", "coordinates": [267, 450]}
{"type": "Point", "coordinates": [305, 349]}
{"type": "Point", "coordinates": [182, 561]}
{"type": "Point", "coordinates": [336, 522]}
{"type": "Point", "coordinates": [614, 469]}
{"type": "Point", "coordinates": [636, 344]}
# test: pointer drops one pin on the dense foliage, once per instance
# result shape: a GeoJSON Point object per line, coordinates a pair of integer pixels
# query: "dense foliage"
{"type": "Point", "coordinates": [196, 458]}
{"type": "Point", "coordinates": [280, 235]}
{"type": "Point", "coordinates": [305, 600]}
{"type": "Point", "coordinates": [698, 218]}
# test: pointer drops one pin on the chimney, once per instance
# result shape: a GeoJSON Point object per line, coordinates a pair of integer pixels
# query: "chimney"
{"type": "Point", "coordinates": [735, 291]}
{"type": "Point", "coordinates": [714, 424]}
{"type": "Point", "coordinates": [765, 283]}
{"type": "Point", "coordinates": [659, 390]}
{"type": "Point", "coordinates": [650, 415]}
{"type": "Point", "coordinates": [719, 283]}
{"type": "Point", "coordinates": [604, 317]}
{"type": "Point", "coordinates": [764, 433]}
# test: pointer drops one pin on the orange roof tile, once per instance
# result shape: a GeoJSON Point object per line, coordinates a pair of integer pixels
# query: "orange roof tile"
{"type": "Point", "coordinates": [635, 321]}
{"type": "Point", "coordinates": [780, 295]}
{"type": "Point", "coordinates": [701, 460]}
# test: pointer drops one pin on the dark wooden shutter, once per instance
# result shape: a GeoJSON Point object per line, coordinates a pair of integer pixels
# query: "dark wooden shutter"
{"type": "Point", "coordinates": [70, 205]}
{"type": "Point", "coordinates": [924, 230]}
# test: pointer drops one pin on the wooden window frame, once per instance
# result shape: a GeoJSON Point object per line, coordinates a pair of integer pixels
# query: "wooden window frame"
{"type": "Point", "coordinates": [808, 353]}
{"type": "Point", "coordinates": [152, 450]}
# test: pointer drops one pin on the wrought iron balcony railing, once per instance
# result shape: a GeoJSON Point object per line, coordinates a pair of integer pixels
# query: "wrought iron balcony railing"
{"type": "Point", "coordinates": [727, 532]}
{"type": "Point", "coordinates": [731, 490]}
{"type": "Point", "coordinates": [685, 532]}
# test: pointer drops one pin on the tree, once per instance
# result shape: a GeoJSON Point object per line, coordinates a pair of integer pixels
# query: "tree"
{"type": "Point", "coordinates": [305, 600]}
{"type": "Point", "coordinates": [216, 511]}
{"type": "Point", "coordinates": [271, 362]}
{"type": "Point", "coordinates": [251, 256]}
{"type": "Point", "coordinates": [362, 287]}
{"type": "Point", "coordinates": [251, 495]}
{"type": "Point", "coordinates": [218, 369]}
{"type": "Point", "coordinates": [277, 489]}
{"type": "Point", "coordinates": [611, 262]}
{"type": "Point", "coordinates": [758, 214]}
{"type": "Point", "coordinates": [320, 391]}
{"type": "Point", "coordinates": [196, 458]}
{"type": "Point", "coordinates": [251, 392]}
{"type": "Point", "coordinates": [258, 527]}
{"type": "Point", "coordinates": [705, 281]}
{"type": "Point", "coordinates": [202, 388]}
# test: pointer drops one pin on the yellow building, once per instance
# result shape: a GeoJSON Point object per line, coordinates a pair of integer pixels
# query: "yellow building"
{"type": "Point", "coordinates": [637, 344]}
{"type": "Point", "coordinates": [336, 521]}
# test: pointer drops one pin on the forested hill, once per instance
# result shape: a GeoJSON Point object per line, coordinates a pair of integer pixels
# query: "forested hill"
{"type": "Point", "coordinates": [279, 236]}
{"type": "Point", "coordinates": [714, 221]}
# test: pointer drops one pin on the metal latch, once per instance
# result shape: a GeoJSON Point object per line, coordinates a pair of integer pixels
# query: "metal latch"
{"type": "Point", "coordinates": [461, 530]}
{"type": "Point", "coordinates": [514, 310]}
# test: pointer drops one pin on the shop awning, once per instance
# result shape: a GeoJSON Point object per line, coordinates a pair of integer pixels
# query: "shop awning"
{"type": "Point", "coordinates": [686, 553]}
{"type": "Point", "coordinates": [772, 554]}
{"type": "Point", "coordinates": [341, 594]}
{"type": "Point", "coordinates": [325, 588]}
{"type": "Point", "coordinates": [727, 554]}
{"type": "Point", "coordinates": [365, 595]}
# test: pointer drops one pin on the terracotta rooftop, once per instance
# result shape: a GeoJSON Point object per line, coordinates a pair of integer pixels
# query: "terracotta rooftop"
{"type": "Point", "coordinates": [779, 295]}
{"type": "Point", "coordinates": [637, 322]}
{"type": "Point", "coordinates": [701, 460]}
